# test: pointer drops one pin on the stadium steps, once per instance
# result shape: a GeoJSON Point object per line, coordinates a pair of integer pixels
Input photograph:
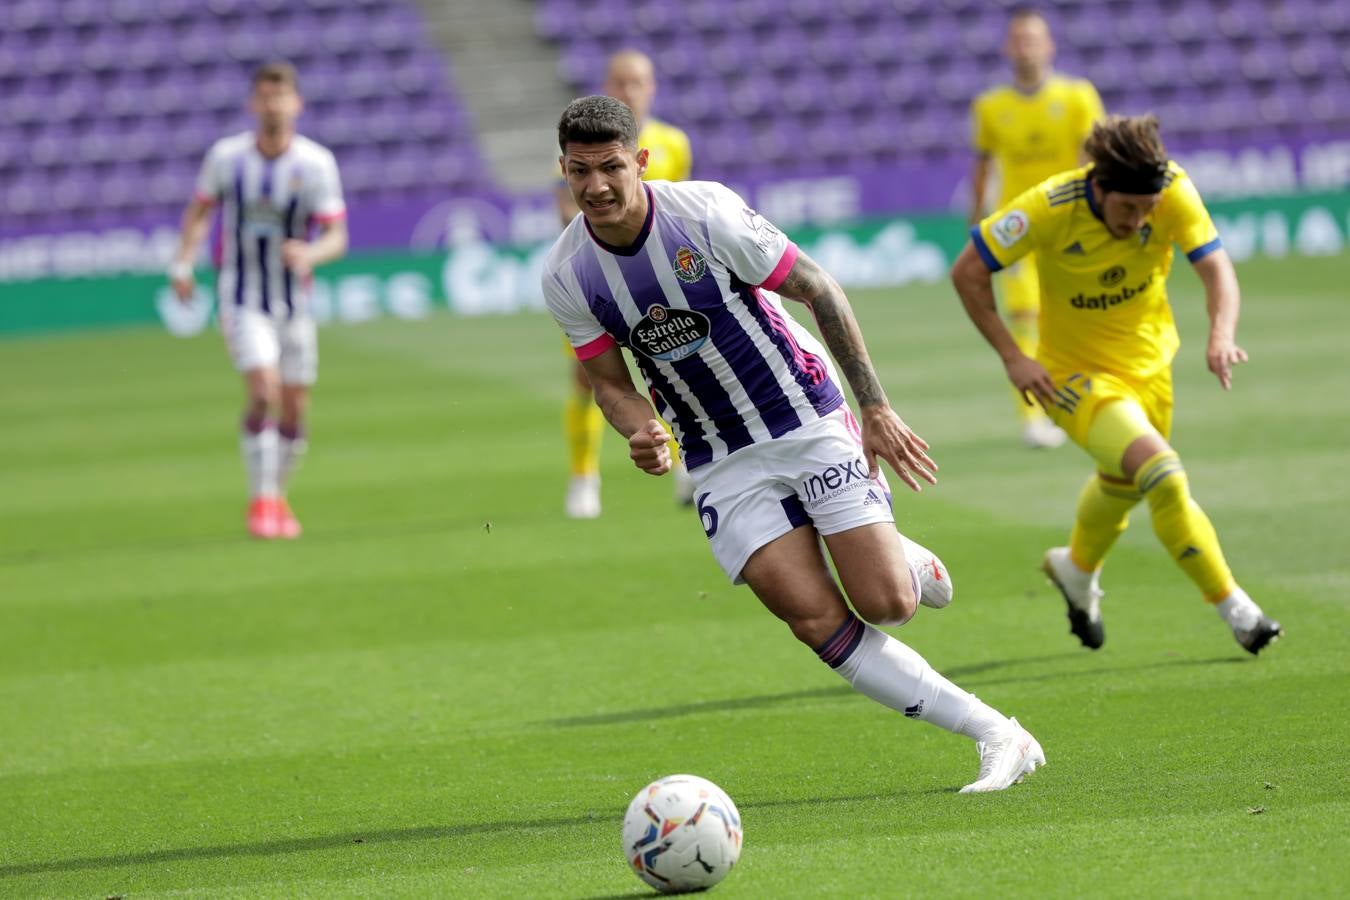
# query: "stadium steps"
{"type": "Point", "coordinates": [507, 76]}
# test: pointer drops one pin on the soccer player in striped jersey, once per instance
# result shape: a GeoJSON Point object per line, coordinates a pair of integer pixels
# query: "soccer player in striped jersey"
{"type": "Point", "coordinates": [275, 188]}
{"type": "Point", "coordinates": [1103, 235]}
{"type": "Point", "coordinates": [629, 77]}
{"type": "Point", "coordinates": [1025, 132]}
{"type": "Point", "coordinates": [684, 276]}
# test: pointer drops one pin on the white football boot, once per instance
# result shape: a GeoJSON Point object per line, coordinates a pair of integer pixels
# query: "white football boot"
{"type": "Point", "coordinates": [1251, 628]}
{"type": "Point", "coordinates": [1081, 593]}
{"type": "Point", "coordinates": [935, 585]}
{"type": "Point", "coordinates": [1006, 759]}
{"type": "Point", "coordinates": [583, 497]}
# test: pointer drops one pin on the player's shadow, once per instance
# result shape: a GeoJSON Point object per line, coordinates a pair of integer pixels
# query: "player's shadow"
{"type": "Point", "coordinates": [355, 840]}
{"type": "Point", "coordinates": [352, 840]}
{"type": "Point", "coordinates": [415, 528]}
{"type": "Point", "coordinates": [693, 709]}
{"type": "Point", "coordinates": [1086, 671]}
{"type": "Point", "coordinates": [961, 674]}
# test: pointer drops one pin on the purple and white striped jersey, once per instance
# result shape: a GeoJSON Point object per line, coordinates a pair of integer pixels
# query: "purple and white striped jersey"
{"type": "Point", "coordinates": [263, 203]}
{"type": "Point", "coordinates": [692, 299]}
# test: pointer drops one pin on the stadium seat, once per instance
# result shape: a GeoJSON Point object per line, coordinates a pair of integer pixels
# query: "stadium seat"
{"type": "Point", "coordinates": [110, 104]}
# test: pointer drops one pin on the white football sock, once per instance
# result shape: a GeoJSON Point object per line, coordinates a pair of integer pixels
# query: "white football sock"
{"type": "Point", "coordinates": [259, 449]}
{"type": "Point", "coordinates": [290, 449]}
{"type": "Point", "coordinates": [1239, 611]}
{"type": "Point", "coordinates": [894, 675]}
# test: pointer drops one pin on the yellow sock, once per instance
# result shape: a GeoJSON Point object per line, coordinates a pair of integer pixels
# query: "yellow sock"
{"type": "Point", "coordinates": [1103, 513]}
{"type": "Point", "coordinates": [1183, 527]}
{"type": "Point", "coordinates": [583, 423]}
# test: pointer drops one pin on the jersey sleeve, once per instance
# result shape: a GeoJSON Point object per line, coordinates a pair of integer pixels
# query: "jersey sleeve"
{"type": "Point", "coordinates": [746, 242]}
{"type": "Point", "coordinates": [210, 185]}
{"type": "Point", "coordinates": [327, 201]}
{"type": "Point", "coordinates": [981, 140]}
{"type": "Point", "coordinates": [584, 332]}
{"type": "Point", "coordinates": [1014, 231]}
{"type": "Point", "coordinates": [1187, 221]}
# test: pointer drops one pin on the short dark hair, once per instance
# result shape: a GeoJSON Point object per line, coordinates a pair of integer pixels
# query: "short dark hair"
{"type": "Point", "coordinates": [597, 120]}
{"type": "Point", "coordinates": [1127, 154]}
{"type": "Point", "coordinates": [278, 71]}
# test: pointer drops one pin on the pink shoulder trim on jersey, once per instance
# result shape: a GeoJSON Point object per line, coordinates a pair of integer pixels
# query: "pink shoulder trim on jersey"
{"type": "Point", "coordinates": [594, 348]}
{"type": "Point", "coordinates": [780, 271]}
{"type": "Point", "coordinates": [330, 217]}
{"type": "Point", "coordinates": [203, 198]}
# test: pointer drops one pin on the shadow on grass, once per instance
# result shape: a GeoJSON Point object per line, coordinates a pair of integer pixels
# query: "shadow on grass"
{"type": "Point", "coordinates": [694, 709]}
{"type": "Point", "coordinates": [238, 538]}
{"type": "Point", "coordinates": [355, 839]}
{"type": "Point", "coordinates": [957, 673]}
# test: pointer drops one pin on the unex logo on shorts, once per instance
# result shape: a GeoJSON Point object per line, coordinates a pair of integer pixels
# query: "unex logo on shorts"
{"type": "Point", "coordinates": [835, 480]}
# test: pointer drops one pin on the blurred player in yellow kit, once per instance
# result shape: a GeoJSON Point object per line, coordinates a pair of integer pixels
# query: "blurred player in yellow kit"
{"type": "Point", "coordinates": [1025, 132]}
{"type": "Point", "coordinates": [631, 78]}
{"type": "Point", "coordinates": [1103, 236]}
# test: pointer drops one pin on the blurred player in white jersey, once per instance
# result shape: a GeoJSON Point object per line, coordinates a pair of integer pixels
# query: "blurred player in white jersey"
{"type": "Point", "coordinates": [274, 188]}
{"type": "Point", "coordinates": [683, 275]}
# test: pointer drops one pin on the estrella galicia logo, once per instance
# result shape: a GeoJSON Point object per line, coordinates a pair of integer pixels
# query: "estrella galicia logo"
{"type": "Point", "coordinates": [1112, 276]}
{"type": "Point", "coordinates": [670, 334]}
{"type": "Point", "coordinates": [707, 514]}
{"type": "Point", "coordinates": [689, 265]}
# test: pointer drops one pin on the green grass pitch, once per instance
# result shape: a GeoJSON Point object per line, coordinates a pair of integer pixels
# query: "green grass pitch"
{"type": "Point", "coordinates": [448, 689]}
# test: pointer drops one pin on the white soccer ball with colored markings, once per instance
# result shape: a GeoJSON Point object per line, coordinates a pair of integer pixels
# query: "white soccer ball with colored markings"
{"type": "Point", "coordinates": [682, 833]}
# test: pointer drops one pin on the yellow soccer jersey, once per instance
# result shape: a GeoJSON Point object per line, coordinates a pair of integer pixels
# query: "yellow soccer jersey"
{"type": "Point", "coordinates": [668, 156]}
{"type": "Point", "coordinates": [1033, 136]}
{"type": "Point", "coordinates": [1103, 300]}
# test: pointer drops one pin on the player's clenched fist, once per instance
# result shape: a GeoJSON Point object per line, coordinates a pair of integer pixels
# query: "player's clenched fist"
{"type": "Point", "coordinates": [650, 449]}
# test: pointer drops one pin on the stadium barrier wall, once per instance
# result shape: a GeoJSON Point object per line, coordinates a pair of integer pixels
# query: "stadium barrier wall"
{"type": "Point", "coordinates": [478, 278]}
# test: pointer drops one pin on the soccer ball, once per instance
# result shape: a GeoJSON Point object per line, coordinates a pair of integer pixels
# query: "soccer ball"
{"type": "Point", "coordinates": [682, 833]}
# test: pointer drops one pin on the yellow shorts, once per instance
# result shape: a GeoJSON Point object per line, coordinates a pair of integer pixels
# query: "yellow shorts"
{"type": "Point", "coordinates": [1081, 395]}
{"type": "Point", "coordinates": [1020, 287]}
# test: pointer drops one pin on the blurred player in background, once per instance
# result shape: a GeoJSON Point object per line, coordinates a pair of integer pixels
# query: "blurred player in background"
{"type": "Point", "coordinates": [1103, 235]}
{"type": "Point", "coordinates": [631, 78]}
{"type": "Point", "coordinates": [1025, 132]}
{"type": "Point", "coordinates": [272, 185]}
{"type": "Point", "coordinates": [682, 275]}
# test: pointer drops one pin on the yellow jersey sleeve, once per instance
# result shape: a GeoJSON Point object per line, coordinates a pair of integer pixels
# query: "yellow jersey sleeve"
{"type": "Point", "coordinates": [1184, 218]}
{"type": "Point", "coordinates": [981, 140]}
{"type": "Point", "coordinates": [1015, 230]}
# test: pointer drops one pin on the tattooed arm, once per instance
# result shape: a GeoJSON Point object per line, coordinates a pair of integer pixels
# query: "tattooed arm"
{"type": "Point", "coordinates": [884, 433]}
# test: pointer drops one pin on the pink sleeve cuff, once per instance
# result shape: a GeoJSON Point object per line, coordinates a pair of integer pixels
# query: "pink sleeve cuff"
{"type": "Point", "coordinates": [594, 348]}
{"type": "Point", "coordinates": [203, 198]}
{"type": "Point", "coordinates": [325, 218]}
{"type": "Point", "coordinates": [780, 271]}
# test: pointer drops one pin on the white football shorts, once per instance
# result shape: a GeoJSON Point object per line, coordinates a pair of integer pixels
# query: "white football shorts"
{"type": "Point", "coordinates": [257, 340]}
{"type": "Point", "coordinates": [814, 475]}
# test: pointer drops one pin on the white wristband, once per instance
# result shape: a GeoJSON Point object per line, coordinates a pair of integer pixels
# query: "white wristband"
{"type": "Point", "coordinates": [180, 271]}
